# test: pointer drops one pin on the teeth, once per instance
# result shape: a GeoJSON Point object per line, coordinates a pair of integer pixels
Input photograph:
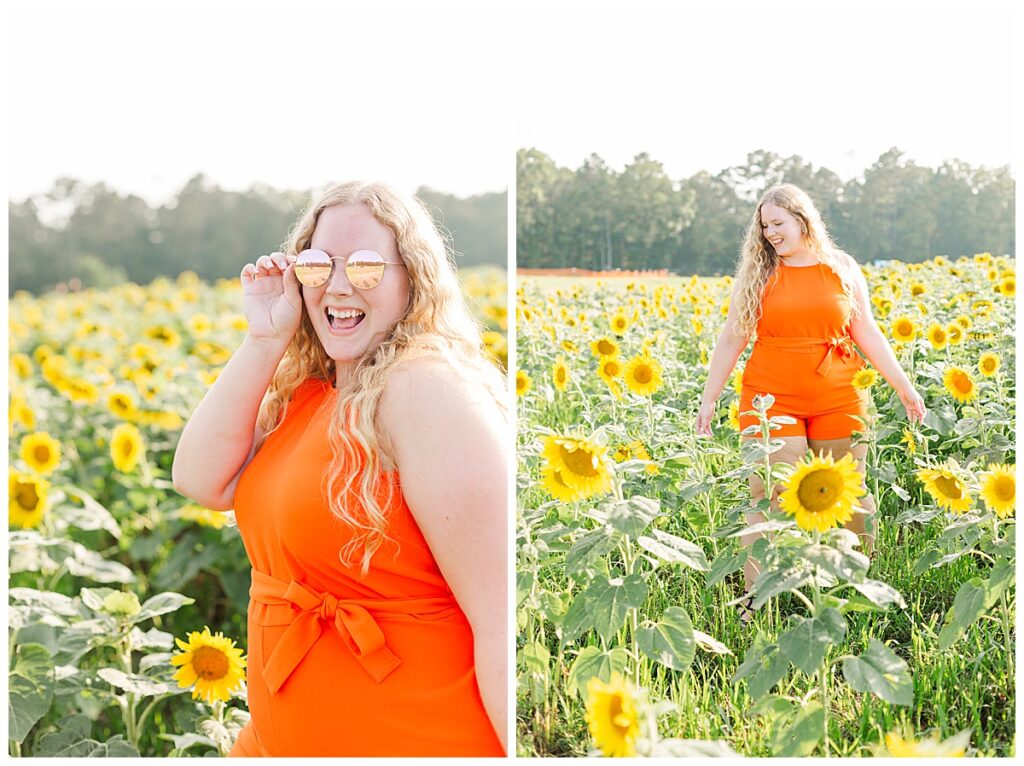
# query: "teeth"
{"type": "Point", "coordinates": [347, 314]}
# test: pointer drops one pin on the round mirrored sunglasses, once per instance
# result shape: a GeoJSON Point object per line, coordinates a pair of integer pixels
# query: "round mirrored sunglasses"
{"type": "Point", "coordinates": [364, 268]}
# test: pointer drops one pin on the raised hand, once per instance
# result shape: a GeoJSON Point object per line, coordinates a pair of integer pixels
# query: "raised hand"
{"type": "Point", "coordinates": [271, 298]}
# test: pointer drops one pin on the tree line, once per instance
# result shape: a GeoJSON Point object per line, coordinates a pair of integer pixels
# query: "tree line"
{"type": "Point", "coordinates": [596, 218]}
{"type": "Point", "coordinates": [101, 237]}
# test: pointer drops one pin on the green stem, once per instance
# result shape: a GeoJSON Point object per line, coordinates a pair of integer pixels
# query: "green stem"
{"type": "Point", "coordinates": [823, 671]}
{"type": "Point", "coordinates": [15, 748]}
{"type": "Point", "coordinates": [149, 709]}
{"type": "Point", "coordinates": [1008, 640]}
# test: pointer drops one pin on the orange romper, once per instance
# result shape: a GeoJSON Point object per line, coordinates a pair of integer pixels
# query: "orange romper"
{"type": "Point", "coordinates": [804, 356]}
{"type": "Point", "coordinates": [341, 663]}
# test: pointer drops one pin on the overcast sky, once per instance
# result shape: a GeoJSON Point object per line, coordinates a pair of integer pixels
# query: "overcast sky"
{"type": "Point", "coordinates": [291, 94]}
{"type": "Point", "coordinates": [295, 95]}
{"type": "Point", "coordinates": [699, 85]}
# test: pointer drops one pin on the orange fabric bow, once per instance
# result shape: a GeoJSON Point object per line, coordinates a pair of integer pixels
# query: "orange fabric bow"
{"type": "Point", "coordinates": [841, 346]}
{"type": "Point", "coordinates": [351, 618]}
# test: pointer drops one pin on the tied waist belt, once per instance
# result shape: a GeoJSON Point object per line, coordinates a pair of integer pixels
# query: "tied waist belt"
{"type": "Point", "coordinates": [352, 618]}
{"type": "Point", "coordinates": [843, 347]}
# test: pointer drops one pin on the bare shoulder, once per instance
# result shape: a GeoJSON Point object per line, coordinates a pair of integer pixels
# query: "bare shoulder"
{"type": "Point", "coordinates": [430, 393]}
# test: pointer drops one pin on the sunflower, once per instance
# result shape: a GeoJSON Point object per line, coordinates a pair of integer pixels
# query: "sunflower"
{"type": "Point", "coordinates": [734, 415]}
{"type": "Point", "coordinates": [903, 329]}
{"type": "Point", "coordinates": [211, 664]}
{"type": "Point", "coordinates": [560, 374]}
{"type": "Point", "coordinates": [955, 334]}
{"type": "Point", "coordinates": [41, 451]}
{"type": "Point", "coordinates": [523, 383]}
{"type": "Point", "coordinates": [906, 745]}
{"type": "Point", "coordinates": [638, 451]}
{"type": "Point", "coordinates": [122, 404]}
{"type": "Point", "coordinates": [28, 499]}
{"type": "Point", "coordinates": [204, 517]}
{"type": "Point", "coordinates": [643, 375]}
{"type": "Point", "coordinates": [865, 378]}
{"type": "Point", "coordinates": [582, 464]}
{"type": "Point", "coordinates": [126, 447]}
{"type": "Point", "coordinates": [945, 488]}
{"type": "Point", "coordinates": [80, 391]}
{"type": "Point", "coordinates": [619, 323]}
{"type": "Point", "coordinates": [999, 489]}
{"type": "Point", "coordinates": [610, 370]}
{"type": "Point", "coordinates": [909, 440]}
{"type": "Point", "coordinates": [938, 337]}
{"type": "Point", "coordinates": [612, 716]}
{"type": "Point", "coordinates": [988, 364]}
{"type": "Point", "coordinates": [1008, 286]}
{"type": "Point", "coordinates": [822, 492]}
{"type": "Point", "coordinates": [960, 384]}
{"type": "Point", "coordinates": [22, 366]}
{"type": "Point", "coordinates": [20, 412]}
{"type": "Point", "coordinates": [163, 334]}
{"type": "Point", "coordinates": [199, 325]}
{"type": "Point", "coordinates": [604, 347]}
{"type": "Point", "coordinates": [918, 288]}
{"type": "Point", "coordinates": [552, 482]}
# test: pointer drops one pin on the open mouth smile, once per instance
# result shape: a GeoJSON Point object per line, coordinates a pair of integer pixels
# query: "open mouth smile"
{"type": "Point", "coordinates": [344, 319]}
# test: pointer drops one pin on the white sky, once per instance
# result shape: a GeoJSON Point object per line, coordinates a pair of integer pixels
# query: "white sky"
{"type": "Point", "coordinates": [699, 85]}
{"type": "Point", "coordinates": [291, 94]}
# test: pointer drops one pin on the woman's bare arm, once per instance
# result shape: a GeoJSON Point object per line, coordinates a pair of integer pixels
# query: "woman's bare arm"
{"type": "Point", "coordinates": [450, 445]}
{"type": "Point", "coordinates": [723, 360]}
{"type": "Point", "coordinates": [866, 334]}
{"type": "Point", "coordinates": [219, 439]}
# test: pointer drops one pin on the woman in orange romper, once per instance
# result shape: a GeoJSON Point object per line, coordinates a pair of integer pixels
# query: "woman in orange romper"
{"type": "Point", "coordinates": [359, 435]}
{"type": "Point", "coordinates": [807, 302]}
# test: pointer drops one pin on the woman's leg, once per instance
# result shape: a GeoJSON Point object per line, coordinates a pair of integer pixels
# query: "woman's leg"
{"type": "Point", "coordinates": [860, 523]}
{"type": "Point", "coordinates": [794, 450]}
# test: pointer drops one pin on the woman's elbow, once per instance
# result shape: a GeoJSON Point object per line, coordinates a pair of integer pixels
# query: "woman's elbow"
{"type": "Point", "coordinates": [186, 487]}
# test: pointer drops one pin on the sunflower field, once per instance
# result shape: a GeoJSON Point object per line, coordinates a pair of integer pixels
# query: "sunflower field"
{"type": "Point", "coordinates": [127, 602]}
{"type": "Point", "coordinates": [635, 636]}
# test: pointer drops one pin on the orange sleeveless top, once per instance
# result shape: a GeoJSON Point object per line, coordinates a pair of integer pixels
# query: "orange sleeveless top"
{"type": "Point", "coordinates": [803, 354]}
{"type": "Point", "coordinates": [341, 663]}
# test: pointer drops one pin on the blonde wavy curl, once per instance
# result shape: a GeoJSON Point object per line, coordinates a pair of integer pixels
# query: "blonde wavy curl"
{"type": "Point", "coordinates": [436, 324]}
{"type": "Point", "coordinates": [758, 260]}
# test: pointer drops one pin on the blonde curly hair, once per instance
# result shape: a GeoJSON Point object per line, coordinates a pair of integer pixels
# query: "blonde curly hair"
{"type": "Point", "coordinates": [758, 260]}
{"type": "Point", "coordinates": [436, 324]}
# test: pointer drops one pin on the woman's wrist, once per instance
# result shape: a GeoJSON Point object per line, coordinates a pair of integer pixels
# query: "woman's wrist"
{"type": "Point", "coordinates": [269, 346]}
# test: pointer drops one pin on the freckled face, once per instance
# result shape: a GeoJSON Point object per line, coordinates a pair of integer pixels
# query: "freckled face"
{"type": "Point", "coordinates": [366, 315]}
{"type": "Point", "coordinates": [782, 229]}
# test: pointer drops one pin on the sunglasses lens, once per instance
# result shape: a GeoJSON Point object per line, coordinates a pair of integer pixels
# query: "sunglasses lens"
{"type": "Point", "coordinates": [364, 269]}
{"type": "Point", "coordinates": [313, 268]}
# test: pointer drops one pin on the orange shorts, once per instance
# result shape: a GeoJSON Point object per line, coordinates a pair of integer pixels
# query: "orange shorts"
{"type": "Point", "coordinates": [819, 395]}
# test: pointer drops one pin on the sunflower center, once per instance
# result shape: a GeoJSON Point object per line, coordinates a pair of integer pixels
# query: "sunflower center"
{"type": "Point", "coordinates": [643, 374]}
{"type": "Point", "coordinates": [41, 453]}
{"type": "Point", "coordinates": [618, 719]}
{"type": "Point", "coordinates": [949, 486]}
{"type": "Point", "coordinates": [560, 375]}
{"type": "Point", "coordinates": [210, 664]}
{"type": "Point", "coordinates": [605, 348]}
{"type": "Point", "coordinates": [579, 461]}
{"type": "Point", "coordinates": [1005, 488]}
{"type": "Point", "coordinates": [904, 328]}
{"type": "Point", "coordinates": [820, 489]}
{"type": "Point", "coordinates": [127, 448]}
{"type": "Point", "coordinates": [988, 365]}
{"type": "Point", "coordinates": [611, 369]}
{"type": "Point", "coordinates": [962, 383]}
{"type": "Point", "coordinates": [27, 496]}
